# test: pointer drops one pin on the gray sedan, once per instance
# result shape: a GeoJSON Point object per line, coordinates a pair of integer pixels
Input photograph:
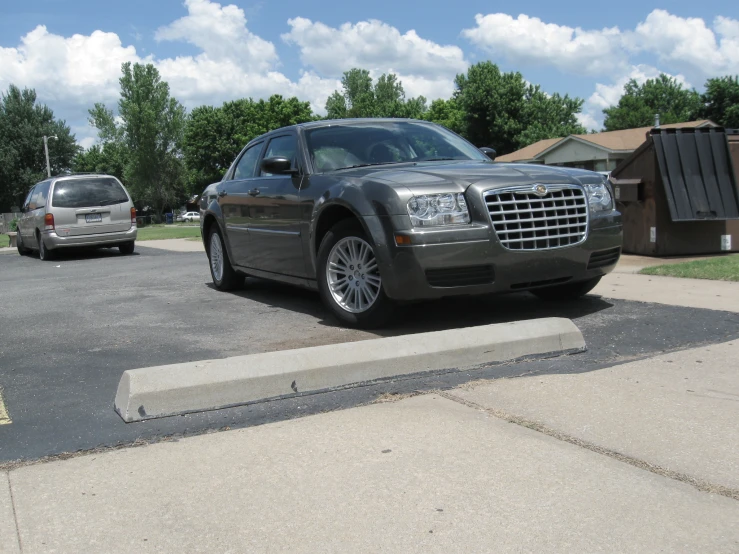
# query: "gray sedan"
{"type": "Point", "coordinates": [375, 212]}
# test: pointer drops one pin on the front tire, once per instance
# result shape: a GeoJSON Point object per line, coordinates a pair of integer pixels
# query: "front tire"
{"type": "Point", "coordinates": [224, 276]}
{"type": "Point", "coordinates": [127, 248]}
{"type": "Point", "coordinates": [44, 253]}
{"type": "Point", "coordinates": [22, 250]}
{"type": "Point", "coordinates": [569, 291]}
{"type": "Point", "coordinates": [349, 279]}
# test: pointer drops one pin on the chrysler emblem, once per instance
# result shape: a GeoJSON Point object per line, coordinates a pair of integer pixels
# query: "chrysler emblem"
{"type": "Point", "coordinates": [540, 190]}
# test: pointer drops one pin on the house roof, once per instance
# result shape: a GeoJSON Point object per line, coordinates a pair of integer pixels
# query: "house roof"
{"type": "Point", "coordinates": [626, 140]}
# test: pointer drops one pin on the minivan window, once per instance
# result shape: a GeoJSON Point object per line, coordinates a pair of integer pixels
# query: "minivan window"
{"type": "Point", "coordinates": [81, 193]}
{"type": "Point", "coordinates": [27, 203]}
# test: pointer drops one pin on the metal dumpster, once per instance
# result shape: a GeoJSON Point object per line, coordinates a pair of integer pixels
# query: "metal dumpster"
{"type": "Point", "coordinates": [678, 193]}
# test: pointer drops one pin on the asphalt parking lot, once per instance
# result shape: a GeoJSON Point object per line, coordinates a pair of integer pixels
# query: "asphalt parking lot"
{"type": "Point", "coordinates": [68, 329]}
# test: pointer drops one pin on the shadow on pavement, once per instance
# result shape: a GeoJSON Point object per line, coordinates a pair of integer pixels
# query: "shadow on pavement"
{"type": "Point", "coordinates": [433, 315]}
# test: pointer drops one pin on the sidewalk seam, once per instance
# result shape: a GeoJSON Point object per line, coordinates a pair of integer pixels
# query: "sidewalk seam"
{"type": "Point", "coordinates": [15, 514]}
{"type": "Point", "coordinates": [700, 484]}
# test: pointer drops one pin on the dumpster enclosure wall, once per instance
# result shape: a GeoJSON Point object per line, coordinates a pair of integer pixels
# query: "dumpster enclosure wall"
{"type": "Point", "coordinates": [678, 193]}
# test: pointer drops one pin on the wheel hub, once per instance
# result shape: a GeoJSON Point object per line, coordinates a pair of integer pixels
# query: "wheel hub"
{"type": "Point", "coordinates": [353, 276]}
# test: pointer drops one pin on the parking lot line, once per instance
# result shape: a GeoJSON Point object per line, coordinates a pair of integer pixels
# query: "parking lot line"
{"type": "Point", "coordinates": [4, 417]}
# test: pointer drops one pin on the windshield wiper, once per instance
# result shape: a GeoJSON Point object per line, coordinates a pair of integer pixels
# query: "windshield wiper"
{"type": "Point", "coordinates": [110, 202]}
{"type": "Point", "coordinates": [368, 165]}
{"type": "Point", "coordinates": [437, 159]}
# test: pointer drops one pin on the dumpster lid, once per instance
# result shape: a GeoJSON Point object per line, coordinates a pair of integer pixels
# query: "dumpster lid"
{"type": "Point", "coordinates": [697, 173]}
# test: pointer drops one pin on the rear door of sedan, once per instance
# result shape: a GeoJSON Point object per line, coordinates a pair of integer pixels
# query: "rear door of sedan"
{"type": "Point", "coordinates": [233, 197]}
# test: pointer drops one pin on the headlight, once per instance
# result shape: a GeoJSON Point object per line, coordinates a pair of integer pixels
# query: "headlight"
{"type": "Point", "coordinates": [433, 210]}
{"type": "Point", "coordinates": [599, 198]}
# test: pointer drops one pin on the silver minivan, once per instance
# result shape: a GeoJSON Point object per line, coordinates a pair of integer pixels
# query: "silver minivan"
{"type": "Point", "coordinates": [93, 211]}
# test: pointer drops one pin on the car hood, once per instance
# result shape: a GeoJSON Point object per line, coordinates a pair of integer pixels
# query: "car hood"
{"type": "Point", "coordinates": [464, 174]}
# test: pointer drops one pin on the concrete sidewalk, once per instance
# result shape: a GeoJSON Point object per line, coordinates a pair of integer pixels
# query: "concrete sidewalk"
{"type": "Point", "coordinates": [691, 293]}
{"type": "Point", "coordinates": [637, 458]}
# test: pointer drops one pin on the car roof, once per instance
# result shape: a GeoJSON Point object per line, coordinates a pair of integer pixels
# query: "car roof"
{"type": "Point", "coordinates": [336, 123]}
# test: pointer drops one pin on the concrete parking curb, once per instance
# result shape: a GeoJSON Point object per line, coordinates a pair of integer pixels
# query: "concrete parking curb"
{"type": "Point", "coordinates": [162, 391]}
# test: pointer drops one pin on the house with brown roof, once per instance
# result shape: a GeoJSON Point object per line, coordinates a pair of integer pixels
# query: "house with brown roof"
{"type": "Point", "coordinates": [596, 152]}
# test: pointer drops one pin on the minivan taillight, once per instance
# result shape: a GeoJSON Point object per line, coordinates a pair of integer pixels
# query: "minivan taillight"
{"type": "Point", "coordinates": [133, 216]}
{"type": "Point", "coordinates": [48, 222]}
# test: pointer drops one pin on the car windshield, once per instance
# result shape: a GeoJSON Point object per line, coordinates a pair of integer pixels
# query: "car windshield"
{"type": "Point", "coordinates": [81, 193]}
{"type": "Point", "coordinates": [362, 144]}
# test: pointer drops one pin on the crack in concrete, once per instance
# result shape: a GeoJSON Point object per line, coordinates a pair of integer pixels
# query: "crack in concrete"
{"type": "Point", "coordinates": [15, 514]}
{"type": "Point", "coordinates": [700, 484]}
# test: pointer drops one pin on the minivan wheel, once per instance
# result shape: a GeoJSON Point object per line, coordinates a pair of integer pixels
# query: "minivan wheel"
{"type": "Point", "coordinates": [569, 291]}
{"type": "Point", "coordinates": [22, 250]}
{"type": "Point", "coordinates": [349, 279]}
{"type": "Point", "coordinates": [127, 248]}
{"type": "Point", "coordinates": [44, 253]}
{"type": "Point", "coordinates": [223, 274]}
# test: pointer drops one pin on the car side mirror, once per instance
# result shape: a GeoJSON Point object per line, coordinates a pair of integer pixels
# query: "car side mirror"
{"type": "Point", "coordinates": [278, 166]}
{"type": "Point", "coordinates": [489, 152]}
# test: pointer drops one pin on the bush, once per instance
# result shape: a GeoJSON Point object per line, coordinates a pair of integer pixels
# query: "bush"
{"type": "Point", "coordinates": [13, 225]}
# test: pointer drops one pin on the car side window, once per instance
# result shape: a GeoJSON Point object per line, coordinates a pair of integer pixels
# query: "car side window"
{"type": "Point", "coordinates": [248, 162]}
{"type": "Point", "coordinates": [33, 203]}
{"type": "Point", "coordinates": [42, 192]}
{"type": "Point", "coordinates": [27, 203]}
{"type": "Point", "coordinates": [285, 146]}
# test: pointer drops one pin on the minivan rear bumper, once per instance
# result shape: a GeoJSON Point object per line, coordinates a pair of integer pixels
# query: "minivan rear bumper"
{"type": "Point", "coordinates": [54, 241]}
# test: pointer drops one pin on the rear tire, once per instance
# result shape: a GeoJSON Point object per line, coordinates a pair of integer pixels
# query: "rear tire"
{"type": "Point", "coordinates": [127, 248]}
{"type": "Point", "coordinates": [569, 291]}
{"type": "Point", "coordinates": [352, 293]}
{"type": "Point", "coordinates": [44, 253]}
{"type": "Point", "coordinates": [224, 276]}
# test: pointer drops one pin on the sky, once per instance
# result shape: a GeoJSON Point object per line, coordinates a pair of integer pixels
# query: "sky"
{"type": "Point", "coordinates": [70, 51]}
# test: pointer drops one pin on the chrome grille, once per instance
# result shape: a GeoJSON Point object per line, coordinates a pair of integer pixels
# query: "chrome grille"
{"type": "Point", "coordinates": [524, 220]}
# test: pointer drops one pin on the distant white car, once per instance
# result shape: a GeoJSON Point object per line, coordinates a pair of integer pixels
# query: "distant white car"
{"type": "Point", "coordinates": [191, 216]}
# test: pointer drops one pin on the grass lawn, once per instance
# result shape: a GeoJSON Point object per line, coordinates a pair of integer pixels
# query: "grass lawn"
{"type": "Point", "coordinates": [4, 241]}
{"type": "Point", "coordinates": [725, 268]}
{"type": "Point", "coordinates": [158, 232]}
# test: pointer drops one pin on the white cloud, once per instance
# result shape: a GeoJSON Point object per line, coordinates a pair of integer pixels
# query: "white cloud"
{"type": "Point", "coordinates": [688, 44]}
{"type": "Point", "coordinates": [424, 67]}
{"type": "Point", "coordinates": [372, 45]}
{"type": "Point", "coordinates": [221, 33]}
{"type": "Point", "coordinates": [681, 45]}
{"type": "Point", "coordinates": [606, 96]}
{"type": "Point", "coordinates": [66, 70]}
{"type": "Point", "coordinates": [72, 73]}
{"type": "Point", "coordinates": [529, 40]}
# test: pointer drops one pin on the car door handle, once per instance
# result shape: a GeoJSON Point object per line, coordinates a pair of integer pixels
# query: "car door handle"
{"type": "Point", "coordinates": [222, 193]}
{"type": "Point", "coordinates": [253, 192]}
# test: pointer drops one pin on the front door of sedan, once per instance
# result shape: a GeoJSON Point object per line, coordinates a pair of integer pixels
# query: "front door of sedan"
{"type": "Point", "coordinates": [274, 214]}
{"type": "Point", "coordinates": [233, 198]}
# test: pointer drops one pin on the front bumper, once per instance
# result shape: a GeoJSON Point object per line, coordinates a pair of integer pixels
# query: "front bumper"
{"type": "Point", "coordinates": [428, 268]}
{"type": "Point", "coordinates": [54, 241]}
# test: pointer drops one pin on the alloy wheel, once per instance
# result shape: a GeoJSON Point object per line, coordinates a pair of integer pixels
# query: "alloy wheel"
{"type": "Point", "coordinates": [216, 256]}
{"type": "Point", "coordinates": [353, 275]}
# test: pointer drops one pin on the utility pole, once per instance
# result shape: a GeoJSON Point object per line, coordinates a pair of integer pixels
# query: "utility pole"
{"type": "Point", "coordinates": [46, 151]}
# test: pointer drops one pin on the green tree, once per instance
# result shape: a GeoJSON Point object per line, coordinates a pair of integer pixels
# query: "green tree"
{"type": "Point", "coordinates": [109, 158]}
{"type": "Point", "coordinates": [721, 101]}
{"type": "Point", "coordinates": [548, 116]}
{"type": "Point", "coordinates": [360, 97]}
{"type": "Point", "coordinates": [215, 135]}
{"type": "Point", "coordinates": [23, 123]}
{"type": "Point", "coordinates": [639, 104]}
{"type": "Point", "coordinates": [503, 111]}
{"type": "Point", "coordinates": [447, 113]}
{"type": "Point", "coordinates": [153, 125]}
{"type": "Point", "coordinates": [111, 155]}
